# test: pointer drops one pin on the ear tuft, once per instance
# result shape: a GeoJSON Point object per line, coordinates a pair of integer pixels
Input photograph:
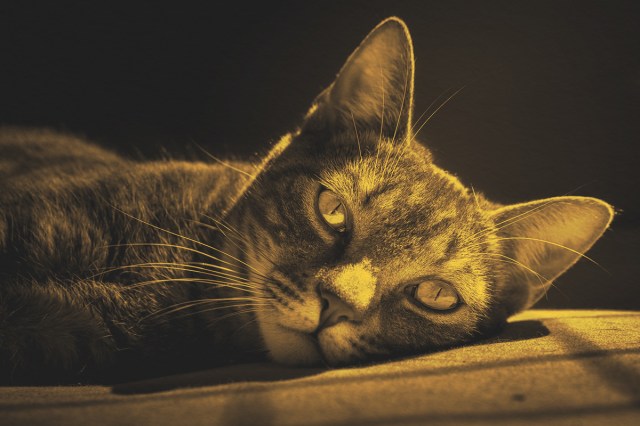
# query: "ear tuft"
{"type": "Point", "coordinates": [544, 238]}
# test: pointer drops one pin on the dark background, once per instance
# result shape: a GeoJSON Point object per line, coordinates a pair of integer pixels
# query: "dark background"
{"type": "Point", "coordinates": [550, 104]}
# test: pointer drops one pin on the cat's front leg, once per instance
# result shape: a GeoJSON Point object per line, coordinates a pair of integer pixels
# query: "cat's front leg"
{"type": "Point", "coordinates": [50, 332]}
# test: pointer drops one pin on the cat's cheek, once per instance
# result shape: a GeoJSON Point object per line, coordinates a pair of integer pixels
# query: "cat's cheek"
{"type": "Point", "coordinates": [288, 346]}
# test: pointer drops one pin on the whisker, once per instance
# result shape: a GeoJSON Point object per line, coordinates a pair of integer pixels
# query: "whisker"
{"type": "Point", "coordinates": [547, 242]}
{"type": "Point", "coordinates": [225, 224]}
{"type": "Point", "coordinates": [510, 221]}
{"type": "Point", "coordinates": [436, 111]}
{"type": "Point", "coordinates": [511, 260]}
{"type": "Point", "coordinates": [224, 163]}
{"type": "Point", "coordinates": [404, 96]}
{"type": "Point", "coordinates": [179, 247]}
{"type": "Point", "coordinates": [395, 131]}
{"type": "Point", "coordinates": [355, 128]}
{"type": "Point", "coordinates": [187, 267]}
{"type": "Point", "coordinates": [189, 239]}
{"type": "Point", "coordinates": [189, 303]}
{"type": "Point", "coordinates": [416, 122]}
{"type": "Point", "coordinates": [191, 250]}
{"type": "Point", "coordinates": [239, 312]}
{"type": "Point", "coordinates": [475, 199]}
{"type": "Point", "coordinates": [240, 238]}
{"type": "Point", "coordinates": [247, 323]}
{"type": "Point", "coordinates": [382, 83]}
{"type": "Point", "coordinates": [229, 301]}
{"type": "Point", "coordinates": [217, 283]}
{"type": "Point", "coordinates": [521, 216]}
{"type": "Point", "coordinates": [233, 240]}
{"type": "Point", "coordinates": [195, 304]}
{"type": "Point", "coordinates": [546, 280]}
{"type": "Point", "coordinates": [411, 131]}
{"type": "Point", "coordinates": [260, 251]}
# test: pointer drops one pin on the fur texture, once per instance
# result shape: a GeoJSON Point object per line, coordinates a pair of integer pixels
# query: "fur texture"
{"type": "Point", "coordinates": [112, 269]}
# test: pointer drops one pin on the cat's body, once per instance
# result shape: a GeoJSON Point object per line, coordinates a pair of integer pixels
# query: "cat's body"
{"type": "Point", "coordinates": [346, 244]}
{"type": "Point", "coordinates": [62, 308]}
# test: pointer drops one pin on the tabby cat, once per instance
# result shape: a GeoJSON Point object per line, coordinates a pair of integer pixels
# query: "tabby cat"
{"type": "Point", "coordinates": [346, 244]}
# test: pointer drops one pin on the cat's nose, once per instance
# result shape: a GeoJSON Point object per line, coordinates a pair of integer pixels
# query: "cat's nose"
{"type": "Point", "coordinates": [335, 310]}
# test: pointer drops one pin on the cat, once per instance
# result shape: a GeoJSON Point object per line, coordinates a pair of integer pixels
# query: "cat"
{"type": "Point", "coordinates": [346, 244]}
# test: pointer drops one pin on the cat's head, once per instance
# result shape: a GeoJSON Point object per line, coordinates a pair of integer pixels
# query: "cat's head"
{"type": "Point", "coordinates": [364, 248]}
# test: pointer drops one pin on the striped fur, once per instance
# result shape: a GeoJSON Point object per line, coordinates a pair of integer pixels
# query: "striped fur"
{"type": "Point", "coordinates": [112, 269]}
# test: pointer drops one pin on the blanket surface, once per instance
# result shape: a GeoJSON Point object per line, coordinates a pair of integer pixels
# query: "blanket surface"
{"type": "Point", "coordinates": [547, 367]}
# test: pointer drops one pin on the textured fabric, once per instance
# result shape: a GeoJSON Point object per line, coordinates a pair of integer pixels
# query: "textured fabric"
{"type": "Point", "coordinates": [548, 367]}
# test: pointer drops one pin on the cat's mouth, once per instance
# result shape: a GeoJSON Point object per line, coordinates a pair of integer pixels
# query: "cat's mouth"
{"type": "Point", "coordinates": [329, 346]}
{"type": "Point", "coordinates": [335, 343]}
{"type": "Point", "coordinates": [298, 348]}
{"type": "Point", "coordinates": [322, 347]}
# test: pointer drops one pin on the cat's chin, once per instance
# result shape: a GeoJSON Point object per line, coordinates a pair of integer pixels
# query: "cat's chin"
{"type": "Point", "coordinates": [331, 346]}
{"type": "Point", "coordinates": [337, 347]}
{"type": "Point", "coordinates": [291, 347]}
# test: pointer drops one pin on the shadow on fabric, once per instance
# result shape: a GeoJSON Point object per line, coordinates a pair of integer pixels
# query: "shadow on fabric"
{"type": "Point", "coordinates": [266, 372]}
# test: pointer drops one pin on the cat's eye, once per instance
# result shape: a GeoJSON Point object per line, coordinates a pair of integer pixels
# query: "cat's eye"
{"type": "Point", "coordinates": [435, 294]}
{"type": "Point", "coordinates": [332, 210]}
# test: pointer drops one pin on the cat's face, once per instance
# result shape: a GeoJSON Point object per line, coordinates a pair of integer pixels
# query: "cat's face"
{"type": "Point", "coordinates": [365, 249]}
{"type": "Point", "coordinates": [371, 256]}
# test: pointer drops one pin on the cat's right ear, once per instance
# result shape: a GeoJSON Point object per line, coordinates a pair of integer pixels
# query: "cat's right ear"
{"type": "Point", "coordinates": [374, 89]}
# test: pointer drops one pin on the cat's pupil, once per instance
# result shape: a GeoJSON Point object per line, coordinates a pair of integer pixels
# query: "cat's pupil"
{"type": "Point", "coordinates": [332, 210]}
{"type": "Point", "coordinates": [436, 294]}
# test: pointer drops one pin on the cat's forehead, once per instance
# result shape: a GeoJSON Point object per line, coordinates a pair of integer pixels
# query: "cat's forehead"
{"type": "Point", "coordinates": [392, 189]}
{"type": "Point", "coordinates": [391, 175]}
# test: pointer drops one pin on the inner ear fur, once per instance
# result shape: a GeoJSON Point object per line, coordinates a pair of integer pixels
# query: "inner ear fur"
{"type": "Point", "coordinates": [374, 89]}
{"type": "Point", "coordinates": [545, 238]}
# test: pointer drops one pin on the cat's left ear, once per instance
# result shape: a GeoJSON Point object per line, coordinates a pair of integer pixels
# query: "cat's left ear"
{"type": "Point", "coordinates": [542, 239]}
{"type": "Point", "coordinates": [374, 89]}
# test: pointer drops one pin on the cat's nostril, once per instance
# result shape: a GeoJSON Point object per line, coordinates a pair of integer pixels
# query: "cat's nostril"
{"type": "Point", "coordinates": [335, 310]}
{"type": "Point", "coordinates": [325, 303]}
